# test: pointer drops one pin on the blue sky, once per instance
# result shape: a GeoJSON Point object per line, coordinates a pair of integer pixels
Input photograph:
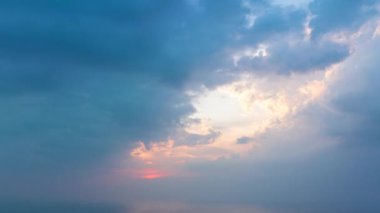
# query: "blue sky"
{"type": "Point", "coordinates": [189, 106]}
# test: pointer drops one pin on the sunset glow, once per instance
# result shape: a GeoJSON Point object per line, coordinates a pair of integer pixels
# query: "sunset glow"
{"type": "Point", "coordinates": [150, 174]}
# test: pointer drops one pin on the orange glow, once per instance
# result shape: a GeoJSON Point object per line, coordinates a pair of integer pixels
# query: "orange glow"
{"type": "Point", "coordinates": [150, 174]}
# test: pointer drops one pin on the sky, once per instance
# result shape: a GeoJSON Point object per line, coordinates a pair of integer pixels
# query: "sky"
{"type": "Point", "coordinates": [184, 106]}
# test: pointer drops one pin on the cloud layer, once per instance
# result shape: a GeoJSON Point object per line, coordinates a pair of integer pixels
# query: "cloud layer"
{"type": "Point", "coordinates": [280, 94]}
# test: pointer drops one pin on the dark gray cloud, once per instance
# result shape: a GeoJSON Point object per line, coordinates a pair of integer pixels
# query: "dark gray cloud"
{"type": "Point", "coordinates": [87, 75]}
{"type": "Point", "coordinates": [273, 22]}
{"type": "Point", "coordinates": [78, 76]}
{"type": "Point", "coordinates": [196, 139]}
{"type": "Point", "coordinates": [282, 30]}
{"type": "Point", "coordinates": [81, 123]}
{"type": "Point", "coordinates": [290, 57]}
{"type": "Point", "coordinates": [244, 140]}
{"type": "Point", "coordinates": [80, 82]}
{"type": "Point", "coordinates": [338, 15]}
{"type": "Point", "coordinates": [113, 36]}
{"type": "Point", "coordinates": [355, 96]}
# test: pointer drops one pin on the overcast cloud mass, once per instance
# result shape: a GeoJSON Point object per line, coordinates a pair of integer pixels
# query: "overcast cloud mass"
{"type": "Point", "coordinates": [140, 106]}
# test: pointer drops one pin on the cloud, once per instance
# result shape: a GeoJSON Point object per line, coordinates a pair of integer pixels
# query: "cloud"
{"type": "Point", "coordinates": [357, 104]}
{"type": "Point", "coordinates": [79, 77]}
{"type": "Point", "coordinates": [279, 42]}
{"type": "Point", "coordinates": [324, 160]}
{"type": "Point", "coordinates": [350, 16]}
{"type": "Point", "coordinates": [286, 57]}
{"type": "Point", "coordinates": [244, 140]}
{"type": "Point", "coordinates": [81, 82]}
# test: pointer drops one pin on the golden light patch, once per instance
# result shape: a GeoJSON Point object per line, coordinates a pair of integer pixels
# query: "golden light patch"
{"type": "Point", "coordinates": [244, 108]}
{"type": "Point", "coordinates": [313, 89]}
